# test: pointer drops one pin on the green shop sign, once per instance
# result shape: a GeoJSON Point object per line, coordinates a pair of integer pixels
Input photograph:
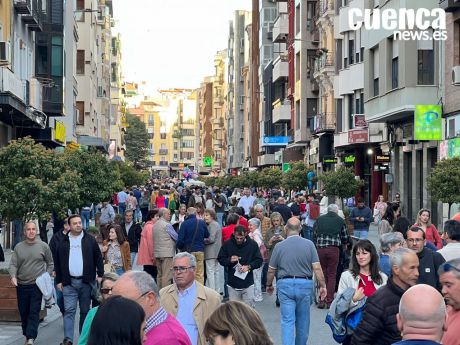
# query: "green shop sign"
{"type": "Point", "coordinates": [349, 159]}
{"type": "Point", "coordinates": [428, 122]}
{"type": "Point", "coordinates": [207, 161]}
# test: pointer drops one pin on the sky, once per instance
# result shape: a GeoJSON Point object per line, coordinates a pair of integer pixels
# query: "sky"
{"type": "Point", "coordinates": [172, 43]}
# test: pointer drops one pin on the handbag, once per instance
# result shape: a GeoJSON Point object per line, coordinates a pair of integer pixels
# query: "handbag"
{"type": "Point", "coordinates": [188, 247]}
{"type": "Point", "coordinates": [264, 252]}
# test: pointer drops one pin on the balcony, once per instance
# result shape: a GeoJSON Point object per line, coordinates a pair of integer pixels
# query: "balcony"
{"type": "Point", "coordinates": [219, 99]}
{"type": "Point", "coordinates": [218, 122]}
{"type": "Point", "coordinates": [324, 122]}
{"type": "Point", "coordinates": [280, 68]}
{"type": "Point", "coordinates": [12, 84]}
{"type": "Point", "coordinates": [163, 151]}
{"type": "Point", "coordinates": [449, 5]}
{"type": "Point", "coordinates": [281, 111]}
{"type": "Point", "coordinates": [324, 64]}
{"type": "Point", "coordinates": [164, 163]}
{"type": "Point", "coordinates": [23, 6]}
{"type": "Point", "coordinates": [31, 13]}
{"type": "Point", "coordinates": [281, 28]}
{"type": "Point", "coordinates": [326, 7]}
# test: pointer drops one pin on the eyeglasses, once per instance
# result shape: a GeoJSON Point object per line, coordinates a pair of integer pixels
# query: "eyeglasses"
{"type": "Point", "coordinates": [145, 293]}
{"type": "Point", "coordinates": [181, 269]}
{"type": "Point", "coordinates": [448, 267]}
{"type": "Point", "coordinates": [106, 291]}
{"type": "Point", "coordinates": [415, 240]}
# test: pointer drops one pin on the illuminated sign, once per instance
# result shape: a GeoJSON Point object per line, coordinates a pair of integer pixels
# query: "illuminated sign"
{"type": "Point", "coordinates": [59, 131]}
{"type": "Point", "coordinates": [349, 159]}
{"type": "Point", "coordinates": [428, 122]}
{"type": "Point", "coordinates": [207, 161]}
{"type": "Point", "coordinates": [329, 160]}
{"type": "Point", "coordinates": [382, 159]}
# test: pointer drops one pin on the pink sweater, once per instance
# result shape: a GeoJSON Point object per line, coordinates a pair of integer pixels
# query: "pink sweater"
{"type": "Point", "coordinates": [169, 332]}
{"type": "Point", "coordinates": [145, 254]}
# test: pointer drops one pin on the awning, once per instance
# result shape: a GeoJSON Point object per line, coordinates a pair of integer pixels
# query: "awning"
{"type": "Point", "coordinates": [99, 143]}
{"type": "Point", "coordinates": [15, 113]}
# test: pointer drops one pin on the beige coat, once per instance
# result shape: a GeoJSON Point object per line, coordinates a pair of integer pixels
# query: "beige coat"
{"type": "Point", "coordinates": [207, 300]}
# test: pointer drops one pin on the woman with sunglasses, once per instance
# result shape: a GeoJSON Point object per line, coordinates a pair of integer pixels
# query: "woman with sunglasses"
{"type": "Point", "coordinates": [107, 282]}
{"type": "Point", "coordinates": [431, 233]}
{"type": "Point", "coordinates": [116, 250]}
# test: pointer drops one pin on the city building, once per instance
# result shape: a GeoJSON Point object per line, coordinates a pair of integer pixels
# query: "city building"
{"type": "Point", "coordinates": [219, 127]}
{"type": "Point", "coordinates": [117, 111]}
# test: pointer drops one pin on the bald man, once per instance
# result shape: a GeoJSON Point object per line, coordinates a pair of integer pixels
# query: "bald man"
{"type": "Point", "coordinates": [421, 323]}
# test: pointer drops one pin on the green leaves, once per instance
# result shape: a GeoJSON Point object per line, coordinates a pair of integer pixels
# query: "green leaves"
{"type": "Point", "coordinates": [137, 142]}
{"type": "Point", "coordinates": [296, 177]}
{"type": "Point", "coordinates": [340, 183]}
{"type": "Point", "coordinates": [444, 181]}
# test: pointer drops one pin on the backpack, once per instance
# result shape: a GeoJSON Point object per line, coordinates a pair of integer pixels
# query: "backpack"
{"type": "Point", "coordinates": [314, 211]}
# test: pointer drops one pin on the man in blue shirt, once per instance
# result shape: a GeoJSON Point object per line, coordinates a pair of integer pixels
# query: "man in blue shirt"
{"type": "Point", "coordinates": [361, 217]}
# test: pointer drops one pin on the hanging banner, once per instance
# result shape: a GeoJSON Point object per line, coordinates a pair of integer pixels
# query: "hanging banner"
{"type": "Point", "coordinates": [428, 122]}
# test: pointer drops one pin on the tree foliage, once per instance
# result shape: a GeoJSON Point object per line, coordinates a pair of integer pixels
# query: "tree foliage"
{"type": "Point", "coordinates": [444, 181]}
{"type": "Point", "coordinates": [270, 178]}
{"type": "Point", "coordinates": [340, 183]}
{"type": "Point", "coordinates": [130, 176]}
{"type": "Point", "coordinates": [296, 176]}
{"type": "Point", "coordinates": [137, 142]}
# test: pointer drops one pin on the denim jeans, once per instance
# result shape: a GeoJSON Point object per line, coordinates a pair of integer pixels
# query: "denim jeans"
{"type": "Point", "coordinates": [121, 208]}
{"type": "Point", "coordinates": [29, 303]}
{"type": "Point", "coordinates": [133, 259]}
{"type": "Point", "coordinates": [307, 232]}
{"type": "Point", "coordinates": [76, 292]}
{"type": "Point", "coordinates": [220, 218]}
{"type": "Point", "coordinates": [361, 234]}
{"type": "Point", "coordinates": [264, 275]}
{"type": "Point", "coordinates": [85, 216]}
{"type": "Point", "coordinates": [295, 300]}
{"type": "Point", "coordinates": [59, 300]}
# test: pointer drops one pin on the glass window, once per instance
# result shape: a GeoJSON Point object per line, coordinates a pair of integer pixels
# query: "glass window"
{"type": "Point", "coordinates": [80, 62]}
{"type": "Point", "coordinates": [56, 56]}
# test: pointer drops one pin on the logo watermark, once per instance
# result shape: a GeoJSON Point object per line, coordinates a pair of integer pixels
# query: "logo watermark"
{"type": "Point", "coordinates": [406, 24]}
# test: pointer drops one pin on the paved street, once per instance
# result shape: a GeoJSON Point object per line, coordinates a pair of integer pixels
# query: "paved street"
{"type": "Point", "coordinates": [51, 331]}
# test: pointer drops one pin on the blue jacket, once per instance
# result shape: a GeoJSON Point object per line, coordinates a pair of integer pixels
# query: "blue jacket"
{"type": "Point", "coordinates": [366, 213]}
{"type": "Point", "coordinates": [187, 230]}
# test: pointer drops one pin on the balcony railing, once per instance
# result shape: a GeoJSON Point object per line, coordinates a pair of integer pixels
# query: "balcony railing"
{"type": "Point", "coordinates": [449, 5]}
{"type": "Point", "coordinates": [324, 122]}
{"type": "Point", "coordinates": [281, 28]}
{"type": "Point", "coordinates": [163, 163]}
{"type": "Point", "coordinates": [163, 151]}
{"type": "Point", "coordinates": [326, 60]}
{"type": "Point", "coordinates": [326, 5]}
{"type": "Point", "coordinates": [31, 13]}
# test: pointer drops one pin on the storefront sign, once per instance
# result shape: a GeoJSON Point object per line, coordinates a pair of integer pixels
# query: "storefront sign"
{"type": "Point", "coordinates": [286, 167]}
{"type": "Point", "coordinates": [275, 141]}
{"type": "Point", "coordinates": [207, 161]}
{"type": "Point", "coordinates": [382, 159]}
{"type": "Point", "coordinates": [357, 136]}
{"type": "Point", "coordinates": [360, 120]}
{"type": "Point", "coordinates": [349, 159]}
{"type": "Point", "coordinates": [329, 160]}
{"type": "Point", "coordinates": [449, 148]}
{"type": "Point", "coordinates": [59, 131]}
{"type": "Point", "coordinates": [428, 122]}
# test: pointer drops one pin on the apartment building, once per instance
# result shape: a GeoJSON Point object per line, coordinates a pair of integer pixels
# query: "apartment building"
{"type": "Point", "coordinates": [117, 120]}
{"type": "Point", "coordinates": [204, 118]}
{"type": "Point", "coordinates": [238, 44]}
{"type": "Point", "coordinates": [398, 75]}
{"type": "Point", "coordinates": [219, 127]}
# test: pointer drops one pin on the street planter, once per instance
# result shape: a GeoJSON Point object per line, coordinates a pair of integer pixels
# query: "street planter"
{"type": "Point", "coordinates": [8, 301]}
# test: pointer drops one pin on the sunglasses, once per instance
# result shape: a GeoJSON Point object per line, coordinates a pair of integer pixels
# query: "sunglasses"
{"type": "Point", "coordinates": [448, 267]}
{"type": "Point", "coordinates": [106, 291]}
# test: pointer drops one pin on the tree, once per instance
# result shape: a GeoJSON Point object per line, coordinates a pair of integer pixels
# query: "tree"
{"type": "Point", "coordinates": [340, 183]}
{"type": "Point", "coordinates": [270, 178]}
{"type": "Point", "coordinates": [444, 181]}
{"type": "Point", "coordinates": [137, 142]}
{"type": "Point", "coordinates": [130, 176]}
{"type": "Point", "coordinates": [35, 181]}
{"type": "Point", "coordinates": [296, 177]}
{"type": "Point", "coordinates": [98, 178]}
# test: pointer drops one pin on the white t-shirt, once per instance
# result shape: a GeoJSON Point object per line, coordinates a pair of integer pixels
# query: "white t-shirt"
{"type": "Point", "coordinates": [75, 256]}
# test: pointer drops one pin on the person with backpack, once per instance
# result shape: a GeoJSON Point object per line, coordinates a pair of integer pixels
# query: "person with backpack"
{"type": "Point", "coordinates": [310, 216]}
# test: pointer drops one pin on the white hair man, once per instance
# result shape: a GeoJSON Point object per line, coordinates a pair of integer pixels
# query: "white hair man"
{"type": "Point", "coordinates": [449, 276]}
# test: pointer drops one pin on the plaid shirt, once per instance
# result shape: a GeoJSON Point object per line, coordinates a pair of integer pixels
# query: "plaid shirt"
{"type": "Point", "coordinates": [156, 319]}
{"type": "Point", "coordinates": [323, 240]}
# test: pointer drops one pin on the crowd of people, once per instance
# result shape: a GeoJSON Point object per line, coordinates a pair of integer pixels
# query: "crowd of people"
{"type": "Point", "coordinates": [209, 255]}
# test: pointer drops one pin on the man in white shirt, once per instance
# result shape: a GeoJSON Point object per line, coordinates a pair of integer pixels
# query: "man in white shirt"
{"type": "Point", "coordinates": [452, 237]}
{"type": "Point", "coordinates": [246, 201]}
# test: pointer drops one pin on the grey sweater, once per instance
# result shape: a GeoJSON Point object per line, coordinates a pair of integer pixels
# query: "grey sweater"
{"type": "Point", "coordinates": [214, 242]}
{"type": "Point", "coordinates": [30, 260]}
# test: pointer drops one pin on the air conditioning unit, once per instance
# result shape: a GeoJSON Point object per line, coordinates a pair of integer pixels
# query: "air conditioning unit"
{"type": "Point", "coordinates": [5, 51]}
{"type": "Point", "coordinates": [456, 75]}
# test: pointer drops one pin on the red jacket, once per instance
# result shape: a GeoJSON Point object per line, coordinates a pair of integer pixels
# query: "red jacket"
{"type": "Point", "coordinates": [227, 232]}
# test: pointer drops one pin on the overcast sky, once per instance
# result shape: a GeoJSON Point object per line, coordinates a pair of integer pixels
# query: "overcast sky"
{"type": "Point", "coordinates": [172, 43]}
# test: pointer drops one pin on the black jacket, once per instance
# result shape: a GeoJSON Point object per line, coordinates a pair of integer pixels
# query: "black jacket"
{"type": "Point", "coordinates": [92, 260]}
{"type": "Point", "coordinates": [250, 255]}
{"type": "Point", "coordinates": [285, 212]}
{"type": "Point", "coordinates": [55, 242]}
{"type": "Point", "coordinates": [134, 236]}
{"type": "Point", "coordinates": [378, 325]}
{"type": "Point", "coordinates": [428, 269]}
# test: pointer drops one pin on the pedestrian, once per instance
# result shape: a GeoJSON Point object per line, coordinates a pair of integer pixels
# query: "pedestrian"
{"type": "Point", "coordinates": [261, 200]}
{"type": "Point", "coordinates": [273, 236]}
{"type": "Point", "coordinates": [85, 213]}
{"type": "Point", "coordinates": [132, 232]}
{"type": "Point", "coordinates": [107, 214]}
{"type": "Point", "coordinates": [380, 207]}
{"type": "Point", "coordinates": [378, 324]}
{"type": "Point", "coordinates": [144, 204]}
{"type": "Point", "coordinates": [31, 258]}
{"type": "Point", "coordinates": [160, 200]}
{"type": "Point", "coordinates": [426, 326]}
{"type": "Point", "coordinates": [229, 325]}
{"type": "Point", "coordinates": [246, 201]}
{"type": "Point", "coordinates": [78, 261]}
{"type": "Point", "coordinates": [192, 234]}
{"type": "Point", "coordinates": [449, 276]}
{"type": "Point", "coordinates": [116, 251]}
{"type": "Point", "coordinates": [161, 327]}
{"type": "Point", "coordinates": [232, 222]}
{"type": "Point", "coordinates": [361, 217]}
{"type": "Point", "coordinates": [389, 242]}
{"type": "Point", "coordinates": [54, 244]}
{"type": "Point", "coordinates": [209, 200]}
{"type": "Point", "coordinates": [431, 233]}
{"type": "Point", "coordinates": [264, 227]}
{"type": "Point", "coordinates": [364, 276]}
{"type": "Point", "coordinates": [199, 207]}
{"type": "Point", "coordinates": [452, 238]}
{"type": "Point", "coordinates": [429, 260]}
{"type": "Point", "coordinates": [241, 255]}
{"type": "Point", "coordinates": [219, 205]}
{"type": "Point", "coordinates": [311, 214]}
{"type": "Point", "coordinates": [214, 271]}
{"type": "Point", "coordinates": [107, 282]}
{"type": "Point", "coordinates": [294, 260]}
{"type": "Point", "coordinates": [387, 221]}
{"type": "Point", "coordinates": [402, 224]}
{"type": "Point", "coordinates": [164, 246]}
{"type": "Point", "coordinates": [331, 237]}
{"type": "Point", "coordinates": [131, 202]}
{"type": "Point", "coordinates": [118, 321]}
{"type": "Point", "coordinates": [283, 209]}
{"type": "Point", "coordinates": [255, 234]}
{"type": "Point", "coordinates": [145, 255]}
{"type": "Point", "coordinates": [122, 196]}
{"type": "Point", "coordinates": [187, 299]}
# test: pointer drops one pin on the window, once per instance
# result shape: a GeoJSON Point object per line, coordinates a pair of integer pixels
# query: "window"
{"type": "Point", "coordinates": [176, 144]}
{"type": "Point", "coordinates": [57, 66]}
{"type": "Point", "coordinates": [375, 57]}
{"type": "Point", "coordinates": [80, 62]}
{"type": "Point", "coordinates": [151, 120]}
{"type": "Point", "coordinates": [80, 106]}
{"type": "Point", "coordinates": [190, 144]}
{"type": "Point", "coordinates": [79, 14]}
{"type": "Point", "coordinates": [425, 68]}
{"type": "Point", "coordinates": [350, 112]}
{"type": "Point", "coordinates": [186, 155]}
{"type": "Point", "coordinates": [150, 136]}
{"type": "Point", "coordinates": [351, 51]}
{"type": "Point", "coordinates": [394, 64]}
{"type": "Point", "coordinates": [163, 136]}
{"type": "Point", "coordinates": [297, 19]}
